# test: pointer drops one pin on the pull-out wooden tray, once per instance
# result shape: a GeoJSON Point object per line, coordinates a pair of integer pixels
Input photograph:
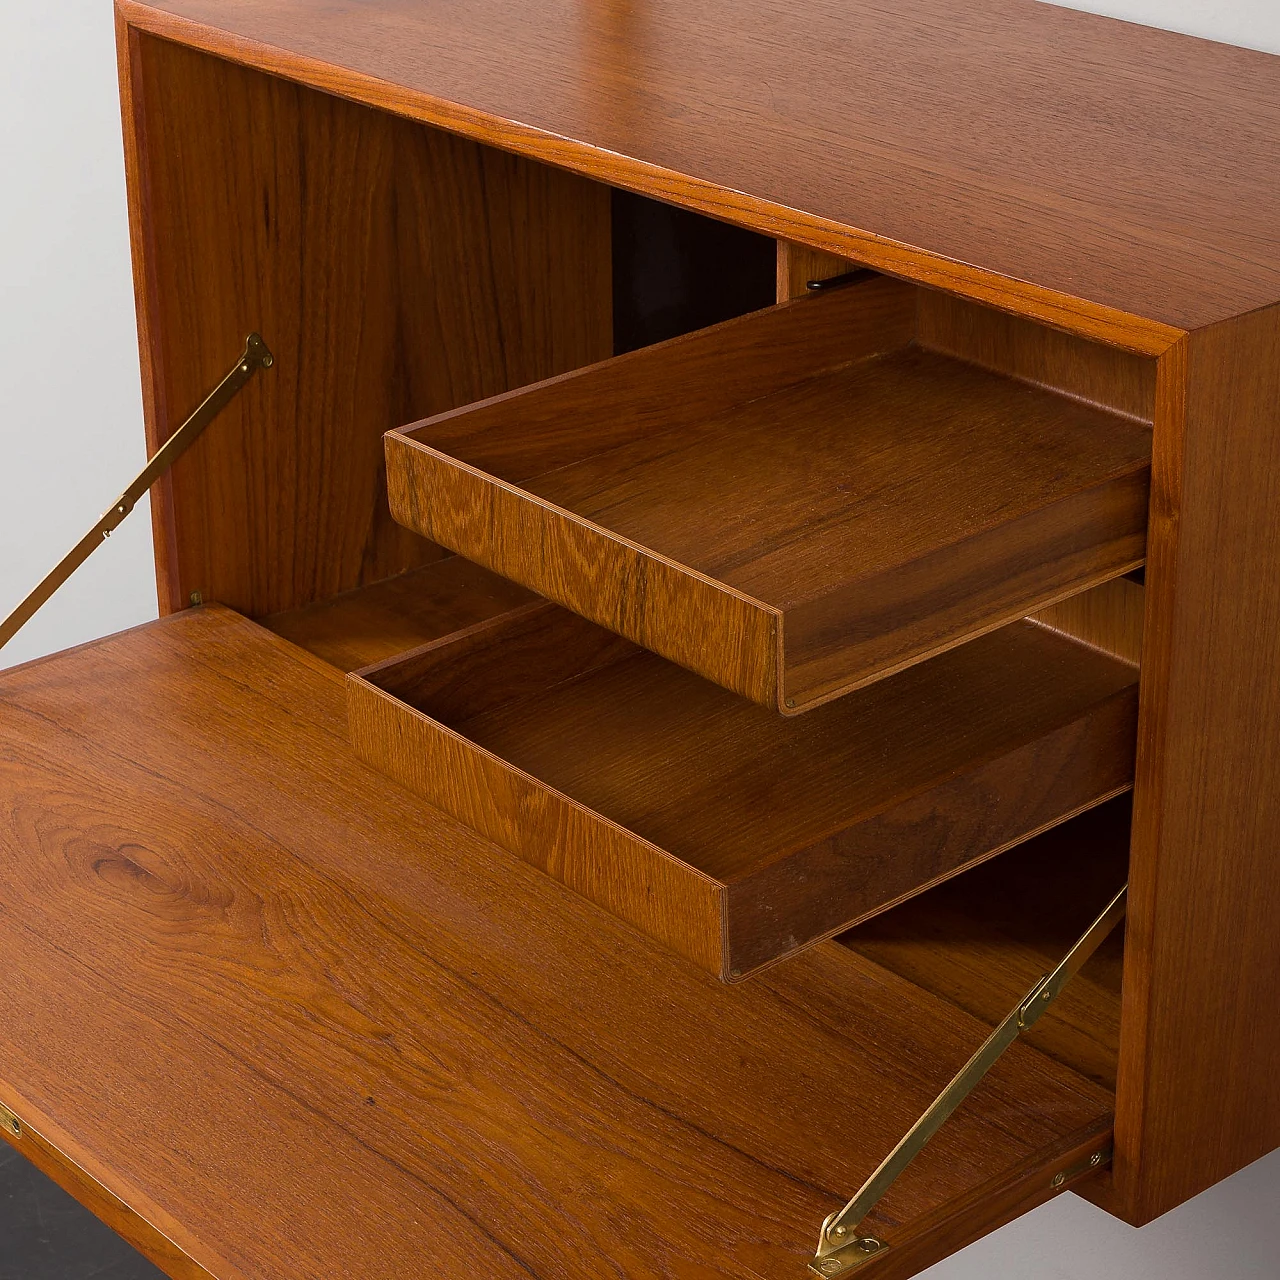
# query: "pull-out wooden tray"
{"type": "Point", "coordinates": [792, 504]}
{"type": "Point", "coordinates": [730, 833]}
{"type": "Point", "coordinates": [273, 1018]}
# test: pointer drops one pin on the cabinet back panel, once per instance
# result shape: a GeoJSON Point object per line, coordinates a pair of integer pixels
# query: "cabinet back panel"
{"type": "Point", "coordinates": [393, 269]}
{"type": "Point", "coordinates": [997, 340]}
{"type": "Point", "coordinates": [982, 940]}
{"type": "Point", "coordinates": [1101, 375]}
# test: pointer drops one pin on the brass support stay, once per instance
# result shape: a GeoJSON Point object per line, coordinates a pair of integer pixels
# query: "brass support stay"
{"type": "Point", "coordinates": [255, 357]}
{"type": "Point", "coordinates": [841, 1247]}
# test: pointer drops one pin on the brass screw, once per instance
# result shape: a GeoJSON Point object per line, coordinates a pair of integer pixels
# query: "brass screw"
{"type": "Point", "coordinates": [268, 360]}
{"type": "Point", "coordinates": [197, 598]}
{"type": "Point", "coordinates": [830, 1266]}
{"type": "Point", "coordinates": [14, 1125]}
{"type": "Point", "coordinates": [1059, 1179]}
{"type": "Point", "coordinates": [1096, 1159]}
{"type": "Point", "coordinates": [791, 702]}
{"type": "Point", "coordinates": [868, 1244]}
{"type": "Point", "coordinates": [838, 1231]}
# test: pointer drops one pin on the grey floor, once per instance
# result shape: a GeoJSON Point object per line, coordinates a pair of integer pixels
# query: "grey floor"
{"type": "Point", "coordinates": [46, 1235]}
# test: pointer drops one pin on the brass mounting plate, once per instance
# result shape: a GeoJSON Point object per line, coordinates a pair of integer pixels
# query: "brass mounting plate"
{"type": "Point", "coordinates": [10, 1123]}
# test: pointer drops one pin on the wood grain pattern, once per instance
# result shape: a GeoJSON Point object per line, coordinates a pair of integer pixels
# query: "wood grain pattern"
{"type": "Point", "coordinates": [797, 265]}
{"type": "Point", "coordinates": [766, 505]}
{"type": "Point", "coordinates": [323, 1030]}
{"type": "Point", "coordinates": [394, 271]}
{"type": "Point", "coordinates": [1131, 199]}
{"type": "Point", "coordinates": [960, 1223]}
{"type": "Point", "coordinates": [710, 627]}
{"type": "Point", "coordinates": [1198, 1087]}
{"type": "Point", "coordinates": [734, 835]}
{"type": "Point", "coordinates": [385, 618]}
{"type": "Point", "coordinates": [982, 940]}
{"type": "Point", "coordinates": [1086, 370]}
{"type": "Point", "coordinates": [1090, 371]}
{"type": "Point", "coordinates": [1110, 617]}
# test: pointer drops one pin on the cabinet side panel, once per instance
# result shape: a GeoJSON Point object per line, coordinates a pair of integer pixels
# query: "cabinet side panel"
{"type": "Point", "coordinates": [1198, 1089]}
{"type": "Point", "coordinates": [142, 252]}
{"type": "Point", "coordinates": [394, 270]}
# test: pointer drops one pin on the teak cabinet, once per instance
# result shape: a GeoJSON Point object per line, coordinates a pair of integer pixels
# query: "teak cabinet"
{"type": "Point", "coordinates": [761, 520]}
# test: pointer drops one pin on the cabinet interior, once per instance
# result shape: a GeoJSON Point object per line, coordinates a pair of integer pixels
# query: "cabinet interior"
{"type": "Point", "coordinates": [462, 272]}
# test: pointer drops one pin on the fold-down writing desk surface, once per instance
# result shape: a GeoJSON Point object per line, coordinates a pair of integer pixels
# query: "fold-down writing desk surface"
{"type": "Point", "coordinates": [276, 1019]}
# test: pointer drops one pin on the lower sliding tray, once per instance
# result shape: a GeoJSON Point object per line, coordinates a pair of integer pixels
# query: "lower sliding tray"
{"type": "Point", "coordinates": [732, 834]}
{"type": "Point", "coordinates": [272, 1017]}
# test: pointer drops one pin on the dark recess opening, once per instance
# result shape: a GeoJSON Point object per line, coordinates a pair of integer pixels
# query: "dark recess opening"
{"type": "Point", "coordinates": [675, 271]}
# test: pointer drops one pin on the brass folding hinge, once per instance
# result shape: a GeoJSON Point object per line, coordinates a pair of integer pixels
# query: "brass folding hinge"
{"type": "Point", "coordinates": [255, 357]}
{"type": "Point", "coordinates": [841, 1246]}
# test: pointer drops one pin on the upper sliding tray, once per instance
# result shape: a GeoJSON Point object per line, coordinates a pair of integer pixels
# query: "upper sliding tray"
{"type": "Point", "coordinates": [792, 504]}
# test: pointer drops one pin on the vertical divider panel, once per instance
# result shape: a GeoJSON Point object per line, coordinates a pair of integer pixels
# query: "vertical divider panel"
{"type": "Point", "coordinates": [798, 264]}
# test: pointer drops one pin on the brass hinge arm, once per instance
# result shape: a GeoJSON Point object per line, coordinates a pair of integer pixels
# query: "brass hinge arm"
{"type": "Point", "coordinates": [255, 357]}
{"type": "Point", "coordinates": [841, 1247]}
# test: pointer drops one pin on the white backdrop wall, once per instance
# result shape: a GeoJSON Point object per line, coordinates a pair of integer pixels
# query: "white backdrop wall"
{"type": "Point", "coordinates": [71, 438]}
{"type": "Point", "coordinates": [1253, 23]}
{"type": "Point", "coordinates": [70, 402]}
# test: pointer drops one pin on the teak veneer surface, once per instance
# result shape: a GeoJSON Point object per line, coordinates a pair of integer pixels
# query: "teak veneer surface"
{"type": "Point", "coordinates": [1094, 177]}
{"type": "Point", "coordinates": [1080, 169]}
{"type": "Point", "coordinates": [1200, 1039]}
{"type": "Point", "coordinates": [275, 1018]}
{"type": "Point", "coordinates": [372, 623]}
{"type": "Point", "coordinates": [735, 835]}
{"type": "Point", "coordinates": [984, 939]}
{"type": "Point", "coordinates": [794, 503]}
{"type": "Point", "coordinates": [394, 270]}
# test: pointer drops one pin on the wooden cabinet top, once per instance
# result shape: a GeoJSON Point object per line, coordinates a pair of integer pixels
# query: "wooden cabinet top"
{"type": "Point", "coordinates": [1104, 177]}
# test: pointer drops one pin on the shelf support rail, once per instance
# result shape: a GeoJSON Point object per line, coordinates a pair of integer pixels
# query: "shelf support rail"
{"type": "Point", "coordinates": [255, 356]}
{"type": "Point", "coordinates": [841, 1246]}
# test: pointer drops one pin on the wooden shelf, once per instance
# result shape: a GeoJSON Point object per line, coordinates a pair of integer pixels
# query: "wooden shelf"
{"type": "Point", "coordinates": [793, 504]}
{"type": "Point", "coordinates": [246, 979]}
{"type": "Point", "coordinates": [382, 619]}
{"type": "Point", "coordinates": [982, 940]}
{"type": "Point", "coordinates": [732, 834]}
